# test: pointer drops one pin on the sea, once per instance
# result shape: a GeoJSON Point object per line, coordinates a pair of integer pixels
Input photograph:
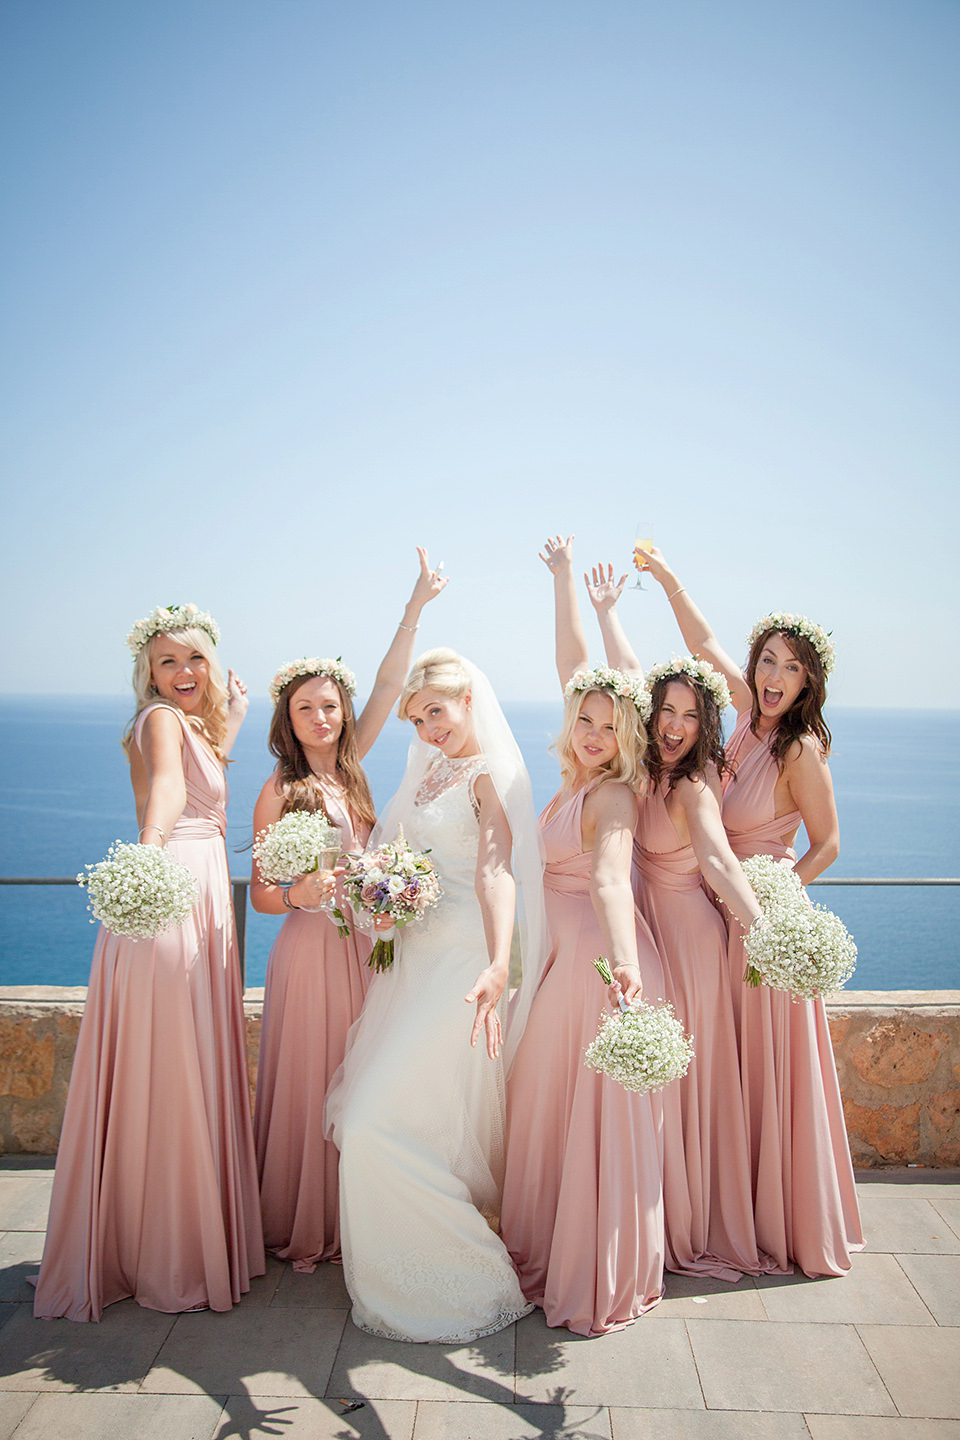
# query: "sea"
{"type": "Point", "coordinates": [65, 797]}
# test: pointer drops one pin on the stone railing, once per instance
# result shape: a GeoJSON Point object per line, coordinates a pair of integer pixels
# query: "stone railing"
{"type": "Point", "coordinates": [897, 1051]}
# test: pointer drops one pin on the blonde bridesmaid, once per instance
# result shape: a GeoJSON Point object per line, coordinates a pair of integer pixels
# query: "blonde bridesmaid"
{"type": "Point", "coordinates": [805, 1201]}
{"type": "Point", "coordinates": [316, 978]}
{"type": "Point", "coordinates": [582, 1208]}
{"type": "Point", "coordinates": [155, 1192]}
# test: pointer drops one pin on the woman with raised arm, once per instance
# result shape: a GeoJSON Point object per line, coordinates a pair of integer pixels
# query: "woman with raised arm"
{"type": "Point", "coordinates": [316, 978]}
{"type": "Point", "coordinates": [582, 1203]}
{"type": "Point", "coordinates": [155, 1192]}
{"type": "Point", "coordinates": [805, 1202]}
{"type": "Point", "coordinates": [417, 1111]}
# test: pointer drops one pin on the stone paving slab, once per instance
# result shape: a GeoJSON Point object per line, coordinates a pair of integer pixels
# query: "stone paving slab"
{"type": "Point", "coordinates": [691, 1297]}
{"type": "Point", "coordinates": [394, 1370]}
{"type": "Point", "coordinates": [875, 1291]}
{"type": "Point", "coordinates": [877, 1427]}
{"type": "Point", "coordinates": [20, 1255]}
{"type": "Point", "coordinates": [646, 1364]}
{"type": "Point", "coordinates": [325, 1288]}
{"type": "Point", "coordinates": [824, 1368]}
{"type": "Point", "coordinates": [949, 1207]}
{"type": "Point", "coordinates": [298, 1418]}
{"type": "Point", "coordinates": [121, 1417]}
{"type": "Point", "coordinates": [905, 1222]}
{"type": "Point", "coordinates": [704, 1425]}
{"type": "Point", "coordinates": [920, 1368]}
{"type": "Point", "coordinates": [116, 1354]}
{"type": "Point", "coordinates": [25, 1200]}
{"type": "Point", "coordinates": [437, 1420]}
{"type": "Point", "coordinates": [936, 1278]}
{"type": "Point", "coordinates": [13, 1407]}
{"type": "Point", "coordinates": [255, 1350]}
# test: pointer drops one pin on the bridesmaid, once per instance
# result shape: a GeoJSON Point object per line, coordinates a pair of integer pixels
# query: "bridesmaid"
{"type": "Point", "coordinates": [316, 980]}
{"type": "Point", "coordinates": [155, 1192]}
{"type": "Point", "coordinates": [582, 1205]}
{"type": "Point", "coordinates": [708, 1203]}
{"type": "Point", "coordinates": [805, 1201]}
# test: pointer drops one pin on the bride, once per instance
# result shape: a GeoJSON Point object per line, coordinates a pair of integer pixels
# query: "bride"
{"type": "Point", "coordinates": [417, 1109]}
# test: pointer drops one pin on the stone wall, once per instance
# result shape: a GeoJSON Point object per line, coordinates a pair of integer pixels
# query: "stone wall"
{"type": "Point", "coordinates": [898, 1058]}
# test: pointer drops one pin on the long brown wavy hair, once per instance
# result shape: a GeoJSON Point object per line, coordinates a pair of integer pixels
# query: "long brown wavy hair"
{"type": "Point", "coordinates": [805, 716]}
{"type": "Point", "coordinates": [708, 746]}
{"type": "Point", "coordinates": [296, 782]}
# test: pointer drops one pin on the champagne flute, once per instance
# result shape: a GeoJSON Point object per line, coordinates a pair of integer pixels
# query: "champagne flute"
{"type": "Point", "coordinates": [326, 860]}
{"type": "Point", "coordinates": [642, 542]}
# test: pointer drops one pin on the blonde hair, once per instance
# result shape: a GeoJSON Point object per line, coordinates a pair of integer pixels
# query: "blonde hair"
{"type": "Point", "coordinates": [441, 669]}
{"type": "Point", "coordinates": [627, 765]}
{"type": "Point", "coordinates": [211, 723]}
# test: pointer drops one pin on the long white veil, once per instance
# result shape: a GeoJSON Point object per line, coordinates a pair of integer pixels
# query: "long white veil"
{"type": "Point", "coordinates": [512, 784]}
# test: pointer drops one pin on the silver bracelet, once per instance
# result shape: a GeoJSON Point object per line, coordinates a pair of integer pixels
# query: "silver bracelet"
{"type": "Point", "coordinates": [161, 833]}
{"type": "Point", "coordinates": [285, 892]}
{"type": "Point", "coordinates": [677, 592]}
{"type": "Point", "coordinates": [411, 628]}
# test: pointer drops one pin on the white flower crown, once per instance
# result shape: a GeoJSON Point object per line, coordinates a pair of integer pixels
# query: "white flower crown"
{"type": "Point", "coordinates": [165, 618]}
{"type": "Point", "coordinates": [333, 669]}
{"type": "Point", "coordinates": [601, 677]}
{"type": "Point", "coordinates": [801, 626]}
{"type": "Point", "coordinates": [689, 667]}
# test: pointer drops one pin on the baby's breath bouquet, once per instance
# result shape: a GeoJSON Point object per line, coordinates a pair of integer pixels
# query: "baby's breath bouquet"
{"type": "Point", "coordinates": [391, 880]}
{"type": "Point", "coordinates": [139, 890]}
{"type": "Point", "coordinates": [294, 846]}
{"type": "Point", "coordinates": [801, 948]}
{"type": "Point", "coordinates": [643, 1047]}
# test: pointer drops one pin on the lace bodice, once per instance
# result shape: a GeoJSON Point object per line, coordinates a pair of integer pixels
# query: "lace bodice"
{"type": "Point", "coordinates": [444, 820]}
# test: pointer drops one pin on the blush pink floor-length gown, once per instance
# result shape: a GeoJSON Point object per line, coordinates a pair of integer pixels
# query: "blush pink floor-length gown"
{"type": "Point", "coordinates": [582, 1211]}
{"type": "Point", "coordinates": [805, 1199]}
{"type": "Point", "coordinates": [316, 983]}
{"type": "Point", "coordinates": [707, 1196]}
{"type": "Point", "coordinates": [155, 1191]}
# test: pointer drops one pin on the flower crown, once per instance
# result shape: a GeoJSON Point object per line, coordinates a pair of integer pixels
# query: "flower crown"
{"type": "Point", "coordinates": [312, 666]}
{"type": "Point", "coordinates": [601, 677]}
{"type": "Point", "coordinates": [798, 625]}
{"type": "Point", "coordinates": [165, 618]}
{"type": "Point", "coordinates": [689, 667]}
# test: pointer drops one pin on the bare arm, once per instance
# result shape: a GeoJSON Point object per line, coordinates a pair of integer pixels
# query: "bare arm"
{"type": "Point", "coordinates": [613, 809]}
{"type": "Point", "coordinates": [161, 750]}
{"type": "Point", "coordinates": [571, 642]}
{"type": "Point", "coordinates": [697, 634]}
{"type": "Point", "coordinates": [309, 891]}
{"type": "Point", "coordinates": [237, 704]}
{"type": "Point", "coordinates": [718, 864]}
{"type": "Point", "coordinates": [497, 893]}
{"type": "Point", "coordinates": [396, 663]}
{"type": "Point", "coordinates": [604, 593]}
{"type": "Point", "coordinates": [811, 788]}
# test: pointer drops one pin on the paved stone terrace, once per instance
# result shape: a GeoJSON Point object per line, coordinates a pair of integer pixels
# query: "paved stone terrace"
{"type": "Point", "coordinates": [874, 1356]}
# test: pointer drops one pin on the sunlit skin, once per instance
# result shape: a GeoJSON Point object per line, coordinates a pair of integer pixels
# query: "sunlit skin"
{"type": "Point", "coordinates": [316, 714]}
{"type": "Point", "coordinates": [780, 679]}
{"type": "Point", "coordinates": [594, 739]}
{"type": "Point", "coordinates": [678, 724]}
{"type": "Point", "coordinates": [445, 721]}
{"type": "Point", "coordinates": [179, 673]}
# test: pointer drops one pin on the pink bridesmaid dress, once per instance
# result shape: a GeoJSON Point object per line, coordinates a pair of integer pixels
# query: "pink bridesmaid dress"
{"type": "Point", "coordinates": [707, 1196]}
{"type": "Point", "coordinates": [582, 1211]}
{"type": "Point", "coordinates": [155, 1192]}
{"type": "Point", "coordinates": [316, 983]}
{"type": "Point", "coordinates": [805, 1199]}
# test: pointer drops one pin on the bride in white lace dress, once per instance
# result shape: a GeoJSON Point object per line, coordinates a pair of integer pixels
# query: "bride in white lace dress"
{"type": "Point", "coordinates": [417, 1109]}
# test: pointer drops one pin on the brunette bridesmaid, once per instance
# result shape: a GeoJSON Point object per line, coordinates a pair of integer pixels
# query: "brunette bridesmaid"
{"type": "Point", "coordinates": [155, 1192]}
{"type": "Point", "coordinates": [805, 1201]}
{"type": "Point", "coordinates": [582, 1208]}
{"type": "Point", "coordinates": [316, 978]}
{"type": "Point", "coordinates": [708, 1203]}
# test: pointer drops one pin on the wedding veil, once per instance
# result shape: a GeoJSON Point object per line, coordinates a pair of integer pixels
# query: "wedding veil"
{"type": "Point", "coordinates": [512, 784]}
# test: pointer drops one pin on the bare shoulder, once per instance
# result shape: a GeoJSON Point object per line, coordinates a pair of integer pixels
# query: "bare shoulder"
{"type": "Point", "coordinates": [806, 757]}
{"type": "Point", "coordinates": [271, 794]}
{"type": "Point", "coordinates": [485, 793]}
{"type": "Point", "coordinates": [612, 802]}
{"type": "Point", "coordinates": [163, 727]}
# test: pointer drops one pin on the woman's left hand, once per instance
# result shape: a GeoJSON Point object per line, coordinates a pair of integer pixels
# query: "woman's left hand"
{"type": "Point", "coordinates": [237, 700]}
{"type": "Point", "coordinates": [603, 590]}
{"type": "Point", "coordinates": [429, 582]}
{"type": "Point", "coordinates": [486, 992]}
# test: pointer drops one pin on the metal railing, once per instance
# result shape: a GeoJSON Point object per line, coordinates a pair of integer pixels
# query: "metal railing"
{"type": "Point", "coordinates": [240, 888]}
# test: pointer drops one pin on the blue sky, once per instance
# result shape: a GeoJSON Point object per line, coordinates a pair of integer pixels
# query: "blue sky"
{"type": "Point", "coordinates": [288, 287]}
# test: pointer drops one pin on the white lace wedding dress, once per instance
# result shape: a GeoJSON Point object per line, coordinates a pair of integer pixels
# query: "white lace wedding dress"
{"type": "Point", "coordinates": [418, 1115]}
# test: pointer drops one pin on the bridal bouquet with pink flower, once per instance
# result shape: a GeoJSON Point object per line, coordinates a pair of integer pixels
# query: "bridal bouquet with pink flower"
{"type": "Point", "coordinates": [393, 881]}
